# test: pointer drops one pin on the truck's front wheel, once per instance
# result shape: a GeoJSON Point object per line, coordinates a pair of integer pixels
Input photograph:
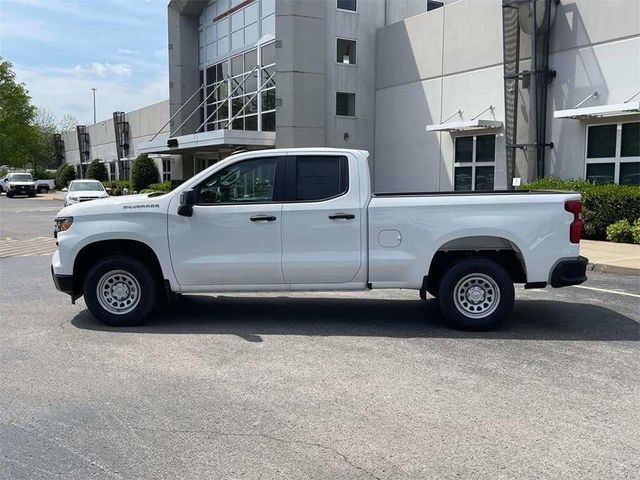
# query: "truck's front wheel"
{"type": "Point", "coordinates": [120, 291]}
{"type": "Point", "coordinates": [476, 293]}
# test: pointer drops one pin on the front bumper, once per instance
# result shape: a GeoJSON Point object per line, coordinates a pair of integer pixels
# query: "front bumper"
{"type": "Point", "coordinates": [64, 283]}
{"type": "Point", "coordinates": [569, 272]}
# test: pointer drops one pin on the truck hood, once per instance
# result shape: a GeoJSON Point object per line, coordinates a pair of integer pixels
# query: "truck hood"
{"type": "Point", "coordinates": [87, 194]}
{"type": "Point", "coordinates": [22, 184]}
{"type": "Point", "coordinates": [123, 204]}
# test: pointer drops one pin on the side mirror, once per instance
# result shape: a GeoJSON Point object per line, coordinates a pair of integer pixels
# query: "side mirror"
{"type": "Point", "coordinates": [187, 201]}
{"type": "Point", "coordinates": [65, 189]}
{"type": "Point", "coordinates": [6, 180]}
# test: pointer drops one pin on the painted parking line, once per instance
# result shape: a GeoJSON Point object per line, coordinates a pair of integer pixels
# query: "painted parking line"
{"type": "Point", "coordinates": [604, 290]}
{"type": "Point", "coordinates": [28, 247]}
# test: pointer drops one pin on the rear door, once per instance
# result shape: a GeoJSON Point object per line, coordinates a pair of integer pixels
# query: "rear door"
{"type": "Point", "coordinates": [321, 224]}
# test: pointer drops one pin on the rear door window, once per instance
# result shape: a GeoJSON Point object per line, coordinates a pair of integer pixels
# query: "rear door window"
{"type": "Point", "coordinates": [317, 177]}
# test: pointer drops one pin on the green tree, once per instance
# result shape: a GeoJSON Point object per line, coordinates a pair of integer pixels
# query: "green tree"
{"type": "Point", "coordinates": [64, 174]}
{"type": "Point", "coordinates": [143, 172]}
{"type": "Point", "coordinates": [97, 170]}
{"type": "Point", "coordinates": [42, 152]}
{"type": "Point", "coordinates": [17, 132]}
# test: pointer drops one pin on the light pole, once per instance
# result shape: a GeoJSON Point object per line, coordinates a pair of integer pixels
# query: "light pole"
{"type": "Point", "coordinates": [94, 105]}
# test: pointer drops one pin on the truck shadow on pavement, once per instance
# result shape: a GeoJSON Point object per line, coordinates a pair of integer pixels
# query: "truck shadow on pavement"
{"type": "Point", "coordinates": [253, 318]}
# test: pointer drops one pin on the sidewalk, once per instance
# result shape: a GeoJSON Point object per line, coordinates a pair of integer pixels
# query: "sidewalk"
{"type": "Point", "coordinates": [608, 257]}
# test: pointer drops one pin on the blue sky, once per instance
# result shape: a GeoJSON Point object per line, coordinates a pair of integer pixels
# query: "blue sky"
{"type": "Point", "coordinates": [62, 48]}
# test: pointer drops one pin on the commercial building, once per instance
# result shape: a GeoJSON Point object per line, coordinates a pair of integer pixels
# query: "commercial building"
{"type": "Point", "coordinates": [442, 94]}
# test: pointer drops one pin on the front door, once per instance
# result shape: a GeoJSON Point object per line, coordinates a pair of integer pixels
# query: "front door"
{"type": "Point", "coordinates": [321, 227]}
{"type": "Point", "coordinates": [234, 235]}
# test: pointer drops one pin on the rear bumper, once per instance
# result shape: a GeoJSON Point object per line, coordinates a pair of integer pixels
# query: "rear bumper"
{"type": "Point", "coordinates": [64, 283]}
{"type": "Point", "coordinates": [569, 272]}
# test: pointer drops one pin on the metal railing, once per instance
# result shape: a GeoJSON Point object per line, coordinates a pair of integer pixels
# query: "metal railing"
{"type": "Point", "coordinates": [216, 88]}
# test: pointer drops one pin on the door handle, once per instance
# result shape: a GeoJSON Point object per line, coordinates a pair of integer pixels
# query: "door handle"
{"type": "Point", "coordinates": [263, 218]}
{"type": "Point", "coordinates": [344, 216]}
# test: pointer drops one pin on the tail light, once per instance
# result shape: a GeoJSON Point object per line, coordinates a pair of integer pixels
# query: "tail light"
{"type": "Point", "coordinates": [575, 229]}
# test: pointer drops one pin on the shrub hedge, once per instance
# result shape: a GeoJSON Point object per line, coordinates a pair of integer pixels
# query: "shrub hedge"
{"type": "Point", "coordinates": [620, 232]}
{"type": "Point", "coordinates": [158, 187]}
{"type": "Point", "coordinates": [602, 205]}
{"type": "Point", "coordinates": [117, 187]}
{"type": "Point", "coordinates": [143, 172]}
{"type": "Point", "coordinates": [64, 174]}
{"type": "Point", "coordinates": [97, 170]}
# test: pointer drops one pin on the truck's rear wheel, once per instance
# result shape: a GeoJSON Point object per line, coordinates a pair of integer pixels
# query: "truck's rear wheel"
{"type": "Point", "coordinates": [476, 293]}
{"type": "Point", "coordinates": [120, 291]}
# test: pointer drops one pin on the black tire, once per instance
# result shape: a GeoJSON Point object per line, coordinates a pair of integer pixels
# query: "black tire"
{"type": "Point", "coordinates": [43, 190]}
{"type": "Point", "coordinates": [32, 194]}
{"type": "Point", "coordinates": [132, 271]}
{"type": "Point", "coordinates": [484, 291]}
{"type": "Point", "coordinates": [9, 195]}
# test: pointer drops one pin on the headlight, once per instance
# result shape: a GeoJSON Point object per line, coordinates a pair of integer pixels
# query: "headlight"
{"type": "Point", "coordinates": [72, 200]}
{"type": "Point", "coordinates": [62, 224]}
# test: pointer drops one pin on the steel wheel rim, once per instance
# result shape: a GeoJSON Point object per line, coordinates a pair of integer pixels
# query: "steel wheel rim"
{"type": "Point", "coordinates": [476, 295]}
{"type": "Point", "coordinates": [118, 292]}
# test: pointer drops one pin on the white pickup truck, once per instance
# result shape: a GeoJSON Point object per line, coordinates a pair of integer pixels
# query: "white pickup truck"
{"type": "Point", "coordinates": [305, 219]}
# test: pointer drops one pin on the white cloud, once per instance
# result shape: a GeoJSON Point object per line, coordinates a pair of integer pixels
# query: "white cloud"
{"type": "Point", "coordinates": [104, 69]}
{"type": "Point", "coordinates": [127, 51]}
{"type": "Point", "coordinates": [65, 91]}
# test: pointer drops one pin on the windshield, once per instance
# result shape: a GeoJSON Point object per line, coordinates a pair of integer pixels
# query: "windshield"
{"type": "Point", "coordinates": [86, 186]}
{"type": "Point", "coordinates": [20, 177]}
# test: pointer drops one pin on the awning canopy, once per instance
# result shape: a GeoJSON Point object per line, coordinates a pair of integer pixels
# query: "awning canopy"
{"type": "Point", "coordinates": [476, 124]}
{"type": "Point", "coordinates": [599, 111]}
{"type": "Point", "coordinates": [209, 141]}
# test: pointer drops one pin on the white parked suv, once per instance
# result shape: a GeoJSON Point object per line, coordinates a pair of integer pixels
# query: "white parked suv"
{"type": "Point", "coordinates": [305, 219]}
{"type": "Point", "coordinates": [83, 190]}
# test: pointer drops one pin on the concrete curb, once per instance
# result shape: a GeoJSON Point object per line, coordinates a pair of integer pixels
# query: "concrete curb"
{"type": "Point", "coordinates": [605, 268]}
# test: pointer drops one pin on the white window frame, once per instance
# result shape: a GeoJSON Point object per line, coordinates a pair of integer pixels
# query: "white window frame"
{"type": "Point", "coordinates": [345, 10]}
{"type": "Point", "coordinates": [355, 51]}
{"type": "Point", "coordinates": [617, 159]}
{"type": "Point", "coordinates": [473, 163]}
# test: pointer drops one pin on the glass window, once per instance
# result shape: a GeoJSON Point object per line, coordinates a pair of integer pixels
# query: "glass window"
{"type": "Point", "coordinates": [268, 54]}
{"type": "Point", "coordinates": [166, 169]}
{"type": "Point", "coordinates": [630, 146]}
{"type": "Point", "coordinates": [346, 51]}
{"type": "Point", "coordinates": [269, 122]}
{"type": "Point", "coordinates": [211, 34]}
{"type": "Point", "coordinates": [237, 21]}
{"type": "Point", "coordinates": [269, 24]}
{"type": "Point", "coordinates": [346, 104]}
{"type": "Point", "coordinates": [601, 172]}
{"type": "Point", "coordinates": [484, 178]}
{"type": "Point", "coordinates": [223, 45]}
{"type": "Point", "coordinates": [237, 39]}
{"type": "Point", "coordinates": [464, 149]}
{"type": "Point", "coordinates": [249, 181]}
{"type": "Point", "coordinates": [223, 27]}
{"type": "Point", "coordinates": [485, 148]}
{"type": "Point", "coordinates": [601, 141]}
{"type": "Point", "coordinates": [237, 66]}
{"type": "Point", "coordinates": [630, 173]}
{"type": "Point", "coordinates": [347, 5]}
{"type": "Point", "coordinates": [268, 7]}
{"type": "Point", "coordinates": [474, 163]}
{"type": "Point", "coordinates": [251, 13]}
{"type": "Point", "coordinates": [320, 178]}
{"type": "Point", "coordinates": [251, 33]}
{"type": "Point", "coordinates": [613, 153]}
{"type": "Point", "coordinates": [463, 179]}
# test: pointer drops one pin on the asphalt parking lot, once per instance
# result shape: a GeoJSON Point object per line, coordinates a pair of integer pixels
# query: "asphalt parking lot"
{"type": "Point", "coordinates": [334, 385]}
